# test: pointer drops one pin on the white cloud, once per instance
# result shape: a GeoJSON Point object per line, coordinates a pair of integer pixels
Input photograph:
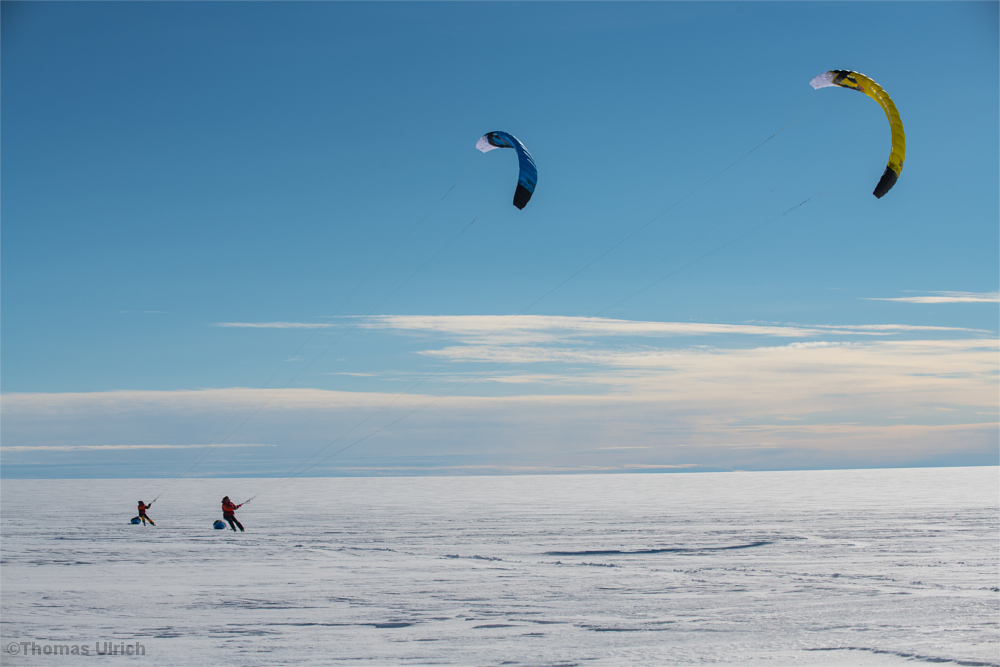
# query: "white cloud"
{"type": "Point", "coordinates": [945, 297]}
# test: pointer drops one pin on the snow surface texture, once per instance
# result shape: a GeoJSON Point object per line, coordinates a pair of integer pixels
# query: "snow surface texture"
{"type": "Point", "coordinates": [871, 567]}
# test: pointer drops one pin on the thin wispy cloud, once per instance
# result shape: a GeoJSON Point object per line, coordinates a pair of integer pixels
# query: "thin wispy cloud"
{"type": "Point", "coordinates": [886, 329]}
{"type": "Point", "coordinates": [191, 401]}
{"type": "Point", "coordinates": [543, 328]}
{"type": "Point", "coordinates": [75, 448]}
{"type": "Point", "coordinates": [614, 449]}
{"type": "Point", "coordinates": [501, 469]}
{"type": "Point", "coordinates": [945, 297]}
{"type": "Point", "coordinates": [539, 329]}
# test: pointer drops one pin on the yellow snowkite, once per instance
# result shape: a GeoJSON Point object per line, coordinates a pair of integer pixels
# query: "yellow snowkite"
{"type": "Point", "coordinates": [857, 81]}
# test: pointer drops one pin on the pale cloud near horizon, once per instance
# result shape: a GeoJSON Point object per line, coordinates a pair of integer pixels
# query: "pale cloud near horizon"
{"type": "Point", "coordinates": [945, 297]}
{"type": "Point", "coordinates": [752, 423]}
{"type": "Point", "coordinates": [895, 377]}
{"type": "Point", "coordinates": [574, 388]}
{"type": "Point", "coordinates": [576, 354]}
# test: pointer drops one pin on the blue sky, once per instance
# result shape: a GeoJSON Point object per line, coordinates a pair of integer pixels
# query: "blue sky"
{"type": "Point", "coordinates": [233, 232]}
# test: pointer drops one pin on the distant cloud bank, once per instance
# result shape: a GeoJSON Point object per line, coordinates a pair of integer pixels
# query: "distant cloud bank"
{"type": "Point", "coordinates": [561, 394]}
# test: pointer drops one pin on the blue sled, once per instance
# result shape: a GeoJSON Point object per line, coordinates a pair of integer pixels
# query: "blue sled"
{"type": "Point", "coordinates": [219, 525]}
{"type": "Point", "coordinates": [135, 521]}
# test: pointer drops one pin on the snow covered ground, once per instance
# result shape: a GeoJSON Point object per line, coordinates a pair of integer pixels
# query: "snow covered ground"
{"type": "Point", "coordinates": [865, 567]}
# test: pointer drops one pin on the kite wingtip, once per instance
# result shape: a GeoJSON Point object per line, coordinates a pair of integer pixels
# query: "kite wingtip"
{"type": "Point", "coordinates": [885, 183]}
{"type": "Point", "coordinates": [823, 80]}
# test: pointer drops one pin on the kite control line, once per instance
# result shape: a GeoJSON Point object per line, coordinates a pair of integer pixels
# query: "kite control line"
{"type": "Point", "coordinates": [219, 438]}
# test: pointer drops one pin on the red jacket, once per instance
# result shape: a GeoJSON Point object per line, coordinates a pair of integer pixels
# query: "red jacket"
{"type": "Point", "coordinates": [228, 507]}
{"type": "Point", "coordinates": [143, 507]}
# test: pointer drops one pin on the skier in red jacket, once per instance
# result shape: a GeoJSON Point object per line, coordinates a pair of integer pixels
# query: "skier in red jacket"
{"type": "Point", "coordinates": [142, 513]}
{"type": "Point", "coordinates": [228, 513]}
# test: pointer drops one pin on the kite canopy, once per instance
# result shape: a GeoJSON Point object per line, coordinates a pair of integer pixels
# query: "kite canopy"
{"type": "Point", "coordinates": [857, 81]}
{"type": "Point", "coordinates": [528, 176]}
